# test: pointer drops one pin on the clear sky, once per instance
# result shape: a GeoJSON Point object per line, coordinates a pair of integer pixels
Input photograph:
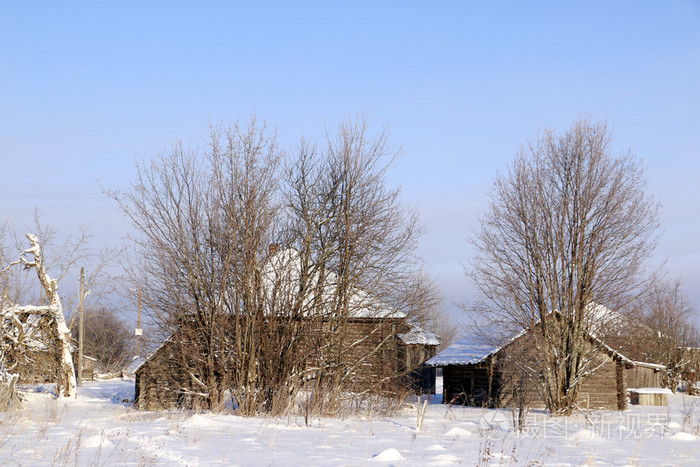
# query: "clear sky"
{"type": "Point", "coordinates": [86, 88]}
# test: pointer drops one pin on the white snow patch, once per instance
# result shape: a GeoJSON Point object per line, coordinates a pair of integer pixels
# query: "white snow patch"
{"type": "Point", "coordinates": [97, 424]}
{"type": "Point", "coordinates": [436, 447]}
{"type": "Point", "coordinates": [495, 420]}
{"type": "Point", "coordinates": [199, 420]}
{"type": "Point", "coordinates": [96, 441]}
{"type": "Point", "coordinates": [650, 390]}
{"type": "Point", "coordinates": [445, 459]}
{"type": "Point", "coordinates": [388, 455]}
{"type": "Point", "coordinates": [457, 431]}
{"type": "Point", "coordinates": [417, 335]}
{"type": "Point", "coordinates": [683, 436]}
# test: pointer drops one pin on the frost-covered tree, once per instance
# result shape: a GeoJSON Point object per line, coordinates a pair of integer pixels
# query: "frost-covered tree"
{"type": "Point", "coordinates": [25, 327]}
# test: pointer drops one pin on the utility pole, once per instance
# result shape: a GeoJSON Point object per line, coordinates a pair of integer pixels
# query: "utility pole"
{"type": "Point", "coordinates": [139, 331]}
{"type": "Point", "coordinates": [81, 333]}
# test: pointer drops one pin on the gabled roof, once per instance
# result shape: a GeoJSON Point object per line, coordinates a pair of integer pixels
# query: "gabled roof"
{"type": "Point", "coordinates": [136, 364]}
{"type": "Point", "coordinates": [284, 267]}
{"type": "Point", "coordinates": [417, 335]}
{"type": "Point", "coordinates": [471, 349]}
{"type": "Point", "coordinates": [466, 351]}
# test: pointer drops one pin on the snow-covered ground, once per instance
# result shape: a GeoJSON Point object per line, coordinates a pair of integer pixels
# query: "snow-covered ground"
{"type": "Point", "coordinates": [98, 428]}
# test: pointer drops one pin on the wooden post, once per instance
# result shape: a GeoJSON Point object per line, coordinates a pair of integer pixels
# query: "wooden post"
{"type": "Point", "coordinates": [138, 328]}
{"type": "Point", "coordinates": [81, 333]}
{"type": "Point", "coordinates": [621, 386]}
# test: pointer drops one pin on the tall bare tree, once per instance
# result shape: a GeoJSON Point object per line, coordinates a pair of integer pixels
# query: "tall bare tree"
{"type": "Point", "coordinates": [33, 317]}
{"type": "Point", "coordinates": [356, 243]}
{"type": "Point", "coordinates": [204, 219]}
{"type": "Point", "coordinates": [568, 226]}
{"type": "Point", "coordinates": [425, 307]}
{"type": "Point", "coordinates": [259, 322]}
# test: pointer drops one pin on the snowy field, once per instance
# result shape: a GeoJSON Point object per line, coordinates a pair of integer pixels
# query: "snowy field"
{"type": "Point", "coordinates": [98, 428]}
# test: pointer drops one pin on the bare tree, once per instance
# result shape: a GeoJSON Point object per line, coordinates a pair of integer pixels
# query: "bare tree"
{"type": "Point", "coordinates": [204, 219]}
{"type": "Point", "coordinates": [260, 283]}
{"type": "Point", "coordinates": [65, 382]}
{"type": "Point", "coordinates": [356, 242]}
{"type": "Point", "coordinates": [8, 378]}
{"type": "Point", "coordinates": [32, 332]}
{"type": "Point", "coordinates": [668, 330]}
{"type": "Point", "coordinates": [63, 257]}
{"type": "Point", "coordinates": [425, 307]}
{"type": "Point", "coordinates": [107, 339]}
{"type": "Point", "coordinates": [568, 226]}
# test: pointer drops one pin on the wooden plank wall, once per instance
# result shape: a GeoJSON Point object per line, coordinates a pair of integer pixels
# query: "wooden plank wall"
{"type": "Point", "coordinates": [600, 389]}
{"type": "Point", "coordinates": [420, 379]}
{"type": "Point", "coordinates": [370, 345]}
{"type": "Point", "coordinates": [642, 377]}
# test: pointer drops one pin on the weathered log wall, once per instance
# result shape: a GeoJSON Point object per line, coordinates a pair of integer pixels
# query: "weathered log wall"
{"type": "Point", "coordinates": [599, 390]}
{"type": "Point", "coordinates": [371, 351]}
{"type": "Point", "coordinates": [469, 384]}
{"type": "Point", "coordinates": [163, 382]}
{"type": "Point", "coordinates": [419, 378]}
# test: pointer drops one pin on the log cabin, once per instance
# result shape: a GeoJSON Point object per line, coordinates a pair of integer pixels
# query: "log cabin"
{"type": "Point", "coordinates": [476, 374]}
{"type": "Point", "coordinates": [384, 341]}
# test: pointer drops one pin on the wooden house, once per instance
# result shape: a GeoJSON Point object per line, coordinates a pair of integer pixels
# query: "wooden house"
{"type": "Point", "coordinates": [162, 380]}
{"type": "Point", "coordinates": [416, 347]}
{"type": "Point", "coordinates": [478, 374]}
{"type": "Point", "coordinates": [383, 343]}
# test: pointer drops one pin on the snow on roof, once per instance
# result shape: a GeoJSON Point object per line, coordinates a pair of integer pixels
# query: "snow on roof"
{"type": "Point", "coordinates": [418, 335]}
{"type": "Point", "coordinates": [136, 364]}
{"type": "Point", "coordinates": [26, 321]}
{"type": "Point", "coordinates": [655, 366]}
{"type": "Point", "coordinates": [465, 351]}
{"type": "Point", "coordinates": [650, 390]}
{"type": "Point", "coordinates": [471, 350]}
{"type": "Point", "coordinates": [282, 273]}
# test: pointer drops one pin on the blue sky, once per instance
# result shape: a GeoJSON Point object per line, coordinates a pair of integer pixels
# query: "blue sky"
{"type": "Point", "coordinates": [86, 88]}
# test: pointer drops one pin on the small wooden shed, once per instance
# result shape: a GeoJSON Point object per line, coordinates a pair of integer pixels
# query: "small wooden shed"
{"type": "Point", "coordinates": [416, 347]}
{"type": "Point", "coordinates": [474, 374]}
{"type": "Point", "coordinates": [88, 368]}
{"type": "Point", "coordinates": [162, 380]}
